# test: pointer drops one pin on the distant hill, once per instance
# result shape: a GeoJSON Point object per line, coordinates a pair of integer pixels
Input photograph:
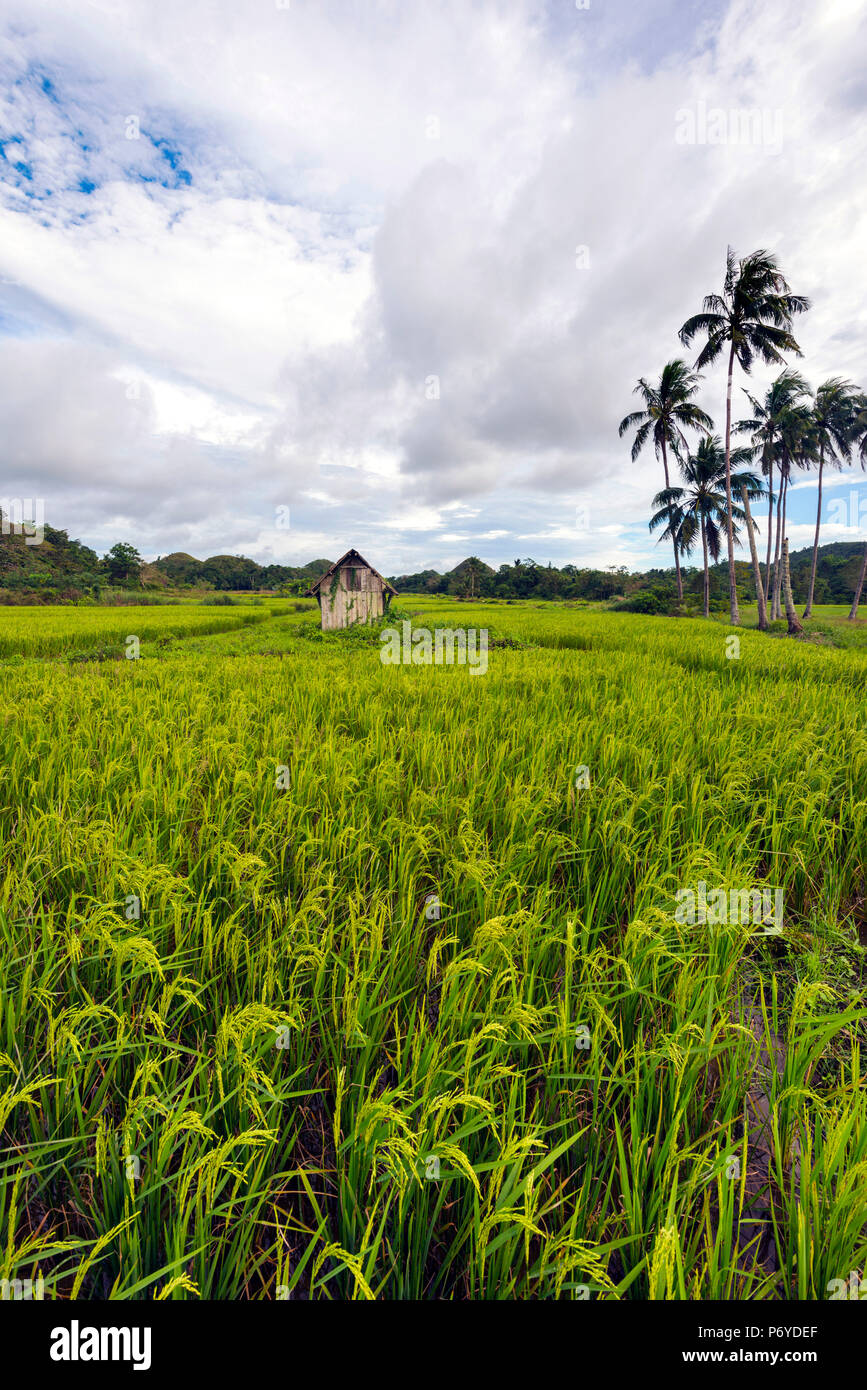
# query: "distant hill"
{"type": "Point", "coordinates": [235, 571]}
{"type": "Point", "coordinates": [57, 567]}
{"type": "Point", "coordinates": [60, 568]}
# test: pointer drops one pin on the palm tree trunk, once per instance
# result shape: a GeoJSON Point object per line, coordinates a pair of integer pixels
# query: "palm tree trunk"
{"type": "Point", "coordinates": [770, 527]}
{"type": "Point", "coordinates": [808, 611]}
{"type": "Point", "coordinates": [784, 542]}
{"type": "Point", "coordinates": [853, 611]}
{"type": "Point", "coordinates": [674, 537]}
{"type": "Point", "coordinates": [775, 605]}
{"type": "Point", "coordinates": [706, 571]}
{"type": "Point", "coordinates": [733, 588]}
{"type": "Point", "coordinates": [778, 577]}
{"type": "Point", "coordinates": [757, 572]}
{"type": "Point", "coordinates": [791, 615]}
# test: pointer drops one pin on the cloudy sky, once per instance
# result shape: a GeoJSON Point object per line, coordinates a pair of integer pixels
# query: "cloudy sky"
{"type": "Point", "coordinates": [286, 276]}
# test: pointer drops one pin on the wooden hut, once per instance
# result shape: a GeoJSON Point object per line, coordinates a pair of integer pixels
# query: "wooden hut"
{"type": "Point", "coordinates": [352, 591]}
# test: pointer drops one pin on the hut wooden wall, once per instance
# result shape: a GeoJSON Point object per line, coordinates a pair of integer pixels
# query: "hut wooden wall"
{"type": "Point", "coordinates": [346, 605]}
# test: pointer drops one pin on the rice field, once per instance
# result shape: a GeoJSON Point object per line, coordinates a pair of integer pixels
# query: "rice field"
{"type": "Point", "coordinates": [325, 979]}
{"type": "Point", "coordinates": [42, 631]}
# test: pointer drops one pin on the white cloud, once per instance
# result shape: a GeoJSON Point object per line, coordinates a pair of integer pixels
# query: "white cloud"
{"type": "Point", "coordinates": [327, 209]}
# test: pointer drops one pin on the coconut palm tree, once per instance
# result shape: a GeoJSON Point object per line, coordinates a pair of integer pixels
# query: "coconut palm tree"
{"type": "Point", "coordinates": [753, 317]}
{"type": "Point", "coordinates": [668, 410]}
{"type": "Point", "coordinates": [754, 557]}
{"type": "Point", "coordinates": [859, 431]}
{"type": "Point", "coordinates": [794, 621]}
{"type": "Point", "coordinates": [763, 426]}
{"type": "Point", "coordinates": [701, 508]}
{"type": "Point", "coordinates": [835, 409]}
{"type": "Point", "coordinates": [796, 447]}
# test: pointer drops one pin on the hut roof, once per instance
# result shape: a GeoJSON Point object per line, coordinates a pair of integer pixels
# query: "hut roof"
{"type": "Point", "coordinates": [354, 558]}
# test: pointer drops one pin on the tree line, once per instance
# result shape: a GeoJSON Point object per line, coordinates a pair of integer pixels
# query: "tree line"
{"type": "Point", "coordinates": [59, 567]}
{"type": "Point", "coordinates": [648, 591]}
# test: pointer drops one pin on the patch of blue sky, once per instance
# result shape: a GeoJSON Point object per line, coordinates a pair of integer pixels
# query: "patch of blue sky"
{"type": "Point", "coordinates": [12, 151]}
{"type": "Point", "coordinates": [54, 103]}
{"type": "Point", "coordinates": [173, 157]}
{"type": "Point", "coordinates": [30, 314]}
{"type": "Point", "coordinates": [14, 324]}
{"type": "Point", "coordinates": [640, 36]}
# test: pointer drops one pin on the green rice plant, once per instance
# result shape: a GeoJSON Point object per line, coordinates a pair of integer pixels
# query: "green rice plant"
{"type": "Point", "coordinates": [330, 979]}
{"type": "Point", "coordinates": [44, 631]}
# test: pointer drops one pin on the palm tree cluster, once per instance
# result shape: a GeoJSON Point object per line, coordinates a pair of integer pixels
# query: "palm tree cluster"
{"type": "Point", "coordinates": [701, 509]}
{"type": "Point", "coordinates": [789, 428]}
